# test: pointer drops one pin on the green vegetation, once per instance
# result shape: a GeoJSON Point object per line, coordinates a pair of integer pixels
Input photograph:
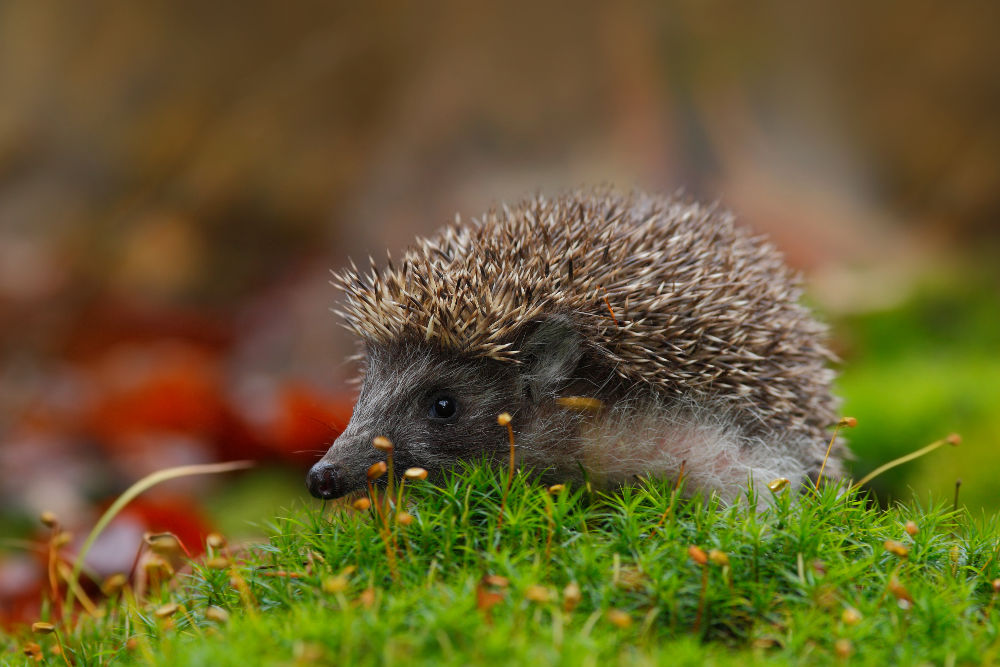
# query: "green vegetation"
{"type": "Point", "coordinates": [925, 367]}
{"type": "Point", "coordinates": [570, 577]}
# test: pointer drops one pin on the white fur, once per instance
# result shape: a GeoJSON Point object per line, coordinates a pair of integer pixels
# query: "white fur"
{"type": "Point", "coordinates": [633, 441]}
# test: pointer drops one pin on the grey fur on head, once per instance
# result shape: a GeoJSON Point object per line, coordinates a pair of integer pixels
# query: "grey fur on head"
{"type": "Point", "coordinates": [687, 328]}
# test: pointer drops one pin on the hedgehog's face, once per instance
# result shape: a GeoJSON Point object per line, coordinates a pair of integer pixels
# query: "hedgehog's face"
{"type": "Point", "coordinates": [437, 408]}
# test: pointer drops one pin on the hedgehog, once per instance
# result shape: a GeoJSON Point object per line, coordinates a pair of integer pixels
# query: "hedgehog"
{"type": "Point", "coordinates": [627, 335]}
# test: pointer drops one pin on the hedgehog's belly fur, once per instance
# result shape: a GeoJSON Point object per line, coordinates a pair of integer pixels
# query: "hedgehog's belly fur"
{"type": "Point", "coordinates": [655, 441]}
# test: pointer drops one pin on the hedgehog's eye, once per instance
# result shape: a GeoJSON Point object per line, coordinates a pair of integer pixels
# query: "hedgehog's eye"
{"type": "Point", "coordinates": [444, 408]}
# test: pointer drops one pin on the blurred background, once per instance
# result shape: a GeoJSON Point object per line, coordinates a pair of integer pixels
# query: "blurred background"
{"type": "Point", "coordinates": [178, 178]}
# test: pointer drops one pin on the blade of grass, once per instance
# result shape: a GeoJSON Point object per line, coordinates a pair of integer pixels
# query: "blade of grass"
{"type": "Point", "coordinates": [128, 496]}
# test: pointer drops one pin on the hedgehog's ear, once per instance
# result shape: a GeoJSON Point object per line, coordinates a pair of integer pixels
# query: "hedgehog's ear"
{"type": "Point", "coordinates": [550, 352]}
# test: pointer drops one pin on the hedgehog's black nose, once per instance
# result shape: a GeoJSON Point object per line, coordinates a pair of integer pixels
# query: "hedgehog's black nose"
{"type": "Point", "coordinates": [326, 481]}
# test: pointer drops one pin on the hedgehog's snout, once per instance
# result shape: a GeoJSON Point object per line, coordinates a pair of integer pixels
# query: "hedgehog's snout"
{"type": "Point", "coordinates": [326, 481]}
{"type": "Point", "coordinates": [342, 469]}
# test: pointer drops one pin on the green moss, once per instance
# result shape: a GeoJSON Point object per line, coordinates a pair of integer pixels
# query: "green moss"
{"type": "Point", "coordinates": [793, 570]}
{"type": "Point", "coordinates": [918, 372]}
